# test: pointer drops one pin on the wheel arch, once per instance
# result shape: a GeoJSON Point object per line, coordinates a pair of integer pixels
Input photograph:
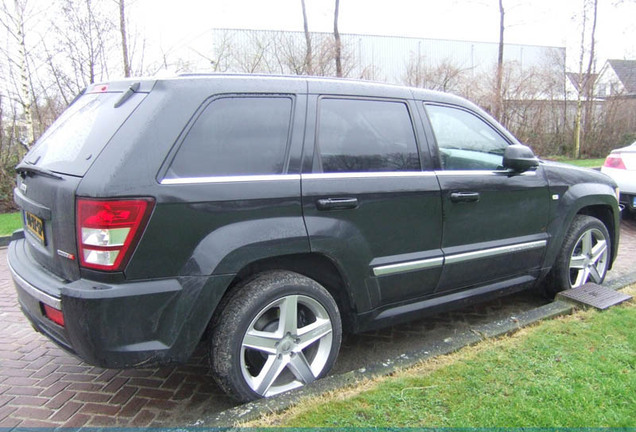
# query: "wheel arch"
{"type": "Point", "coordinates": [603, 207]}
{"type": "Point", "coordinates": [312, 265]}
{"type": "Point", "coordinates": [605, 215]}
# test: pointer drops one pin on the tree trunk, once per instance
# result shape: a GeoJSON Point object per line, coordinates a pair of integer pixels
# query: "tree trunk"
{"type": "Point", "coordinates": [124, 37]}
{"type": "Point", "coordinates": [24, 75]}
{"type": "Point", "coordinates": [581, 84]}
{"type": "Point", "coordinates": [308, 53]}
{"type": "Point", "coordinates": [498, 108]}
{"type": "Point", "coordinates": [591, 81]}
{"type": "Point", "coordinates": [336, 36]}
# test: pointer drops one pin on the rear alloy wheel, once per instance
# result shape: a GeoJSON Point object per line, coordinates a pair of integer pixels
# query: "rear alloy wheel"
{"type": "Point", "coordinates": [584, 256]}
{"type": "Point", "coordinates": [278, 332]}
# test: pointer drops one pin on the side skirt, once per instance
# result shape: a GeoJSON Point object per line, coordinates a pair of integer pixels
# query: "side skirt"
{"type": "Point", "coordinates": [392, 315]}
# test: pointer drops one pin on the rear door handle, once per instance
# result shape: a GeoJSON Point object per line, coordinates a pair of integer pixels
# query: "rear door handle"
{"type": "Point", "coordinates": [337, 203]}
{"type": "Point", "coordinates": [457, 197]}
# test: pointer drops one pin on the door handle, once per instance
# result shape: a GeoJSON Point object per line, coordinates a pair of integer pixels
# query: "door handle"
{"type": "Point", "coordinates": [337, 203]}
{"type": "Point", "coordinates": [457, 197]}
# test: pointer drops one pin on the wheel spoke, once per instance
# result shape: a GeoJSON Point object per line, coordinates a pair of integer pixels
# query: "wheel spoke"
{"type": "Point", "coordinates": [595, 276]}
{"type": "Point", "coordinates": [581, 277]}
{"type": "Point", "coordinates": [586, 243]}
{"type": "Point", "coordinates": [300, 368]}
{"type": "Point", "coordinates": [271, 370]}
{"type": "Point", "coordinates": [599, 250]}
{"type": "Point", "coordinates": [261, 341]}
{"type": "Point", "coordinates": [313, 332]}
{"type": "Point", "coordinates": [577, 262]}
{"type": "Point", "coordinates": [288, 315]}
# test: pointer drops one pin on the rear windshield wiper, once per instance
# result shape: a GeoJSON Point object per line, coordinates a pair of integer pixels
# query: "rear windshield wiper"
{"type": "Point", "coordinates": [127, 94]}
{"type": "Point", "coordinates": [25, 168]}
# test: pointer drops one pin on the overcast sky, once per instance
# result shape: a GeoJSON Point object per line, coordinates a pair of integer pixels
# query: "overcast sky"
{"type": "Point", "coordinates": [177, 25]}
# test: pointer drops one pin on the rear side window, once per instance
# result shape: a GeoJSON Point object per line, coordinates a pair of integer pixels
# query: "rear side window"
{"type": "Point", "coordinates": [77, 137]}
{"type": "Point", "coordinates": [366, 136]}
{"type": "Point", "coordinates": [236, 136]}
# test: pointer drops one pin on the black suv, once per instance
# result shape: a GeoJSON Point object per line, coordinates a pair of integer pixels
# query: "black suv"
{"type": "Point", "coordinates": [266, 214]}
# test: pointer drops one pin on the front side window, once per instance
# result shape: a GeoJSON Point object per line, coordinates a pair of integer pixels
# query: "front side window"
{"type": "Point", "coordinates": [465, 141]}
{"type": "Point", "coordinates": [236, 136]}
{"type": "Point", "coordinates": [366, 136]}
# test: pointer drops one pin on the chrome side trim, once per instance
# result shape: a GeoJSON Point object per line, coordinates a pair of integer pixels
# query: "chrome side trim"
{"type": "Point", "coordinates": [403, 267]}
{"type": "Point", "coordinates": [379, 174]}
{"type": "Point", "coordinates": [294, 177]}
{"type": "Point", "coordinates": [230, 179]}
{"type": "Point", "coordinates": [485, 253]}
{"type": "Point", "coordinates": [484, 173]}
{"type": "Point", "coordinates": [36, 293]}
{"type": "Point", "coordinates": [408, 266]}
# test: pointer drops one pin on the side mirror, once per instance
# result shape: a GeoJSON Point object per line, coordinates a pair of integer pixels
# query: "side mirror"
{"type": "Point", "coordinates": [519, 158]}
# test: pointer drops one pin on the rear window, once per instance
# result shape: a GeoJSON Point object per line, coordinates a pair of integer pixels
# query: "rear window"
{"type": "Point", "coordinates": [246, 135]}
{"type": "Point", "coordinates": [76, 138]}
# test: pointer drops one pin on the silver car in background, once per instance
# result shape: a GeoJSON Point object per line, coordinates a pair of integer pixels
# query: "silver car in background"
{"type": "Point", "coordinates": [620, 165]}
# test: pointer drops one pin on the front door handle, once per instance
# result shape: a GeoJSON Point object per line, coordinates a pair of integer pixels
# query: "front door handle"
{"type": "Point", "coordinates": [457, 197]}
{"type": "Point", "coordinates": [337, 203]}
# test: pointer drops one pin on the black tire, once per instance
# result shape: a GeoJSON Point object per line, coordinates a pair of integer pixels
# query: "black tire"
{"type": "Point", "coordinates": [565, 273]}
{"type": "Point", "coordinates": [273, 357]}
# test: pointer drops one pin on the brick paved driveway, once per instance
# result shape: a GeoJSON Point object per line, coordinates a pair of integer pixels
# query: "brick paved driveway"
{"type": "Point", "coordinates": [43, 386]}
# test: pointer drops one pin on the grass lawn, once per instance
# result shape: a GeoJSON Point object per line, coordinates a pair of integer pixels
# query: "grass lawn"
{"type": "Point", "coordinates": [574, 371]}
{"type": "Point", "coordinates": [10, 222]}
{"type": "Point", "coordinates": [585, 163]}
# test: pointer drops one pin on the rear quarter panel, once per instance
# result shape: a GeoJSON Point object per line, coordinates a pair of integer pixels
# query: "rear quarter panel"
{"type": "Point", "coordinates": [199, 229]}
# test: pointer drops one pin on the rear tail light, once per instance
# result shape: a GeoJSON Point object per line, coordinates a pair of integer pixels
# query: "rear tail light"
{"type": "Point", "coordinates": [108, 231]}
{"type": "Point", "coordinates": [614, 161]}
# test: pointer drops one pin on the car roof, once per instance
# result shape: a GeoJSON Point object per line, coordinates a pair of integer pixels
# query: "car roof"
{"type": "Point", "coordinates": [312, 84]}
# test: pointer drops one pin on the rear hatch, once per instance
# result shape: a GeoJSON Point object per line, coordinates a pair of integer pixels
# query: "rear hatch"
{"type": "Point", "coordinates": [50, 173]}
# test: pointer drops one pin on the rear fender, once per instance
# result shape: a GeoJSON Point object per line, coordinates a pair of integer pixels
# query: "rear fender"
{"type": "Point", "coordinates": [230, 248]}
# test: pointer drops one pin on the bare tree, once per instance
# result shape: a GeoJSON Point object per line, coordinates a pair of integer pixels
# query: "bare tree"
{"type": "Point", "coordinates": [591, 66]}
{"type": "Point", "coordinates": [498, 103]}
{"type": "Point", "coordinates": [585, 77]}
{"type": "Point", "coordinates": [308, 54]}
{"type": "Point", "coordinates": [447, 75]}
{"type": "Point", "coordinates": [338, 44]}
{"type": "Point", "coordinates": [124, 36]}
{"type": "Point", "coordinates": [86, 38]}
{"type": "Point", "coordinates": [13, 17]}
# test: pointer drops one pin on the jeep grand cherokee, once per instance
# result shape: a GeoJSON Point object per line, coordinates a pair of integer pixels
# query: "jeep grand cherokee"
{"type": "Point", "coordinates": [275, 211]}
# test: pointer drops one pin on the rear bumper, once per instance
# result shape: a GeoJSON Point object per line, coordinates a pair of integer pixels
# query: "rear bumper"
{"type": "Point", "coordinates": [118, 325]}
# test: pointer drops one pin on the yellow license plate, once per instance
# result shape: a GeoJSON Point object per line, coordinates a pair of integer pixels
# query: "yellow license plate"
{"type": "Point", "coordinates": [34, 225]}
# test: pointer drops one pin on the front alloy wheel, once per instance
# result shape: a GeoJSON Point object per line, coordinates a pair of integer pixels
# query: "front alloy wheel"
{"type": "Point", "coordinates": [585, 256]}
{"type": "Point", "coordinates": [589, 258]}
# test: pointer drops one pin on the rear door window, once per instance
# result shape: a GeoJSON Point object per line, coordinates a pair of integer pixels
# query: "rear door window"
{"type": "Point", "coordinates": [236, 136]}
{"type": "Point", "coordinates": [366, 136]}
{"type": "Point", "coordinates": [77, 137]}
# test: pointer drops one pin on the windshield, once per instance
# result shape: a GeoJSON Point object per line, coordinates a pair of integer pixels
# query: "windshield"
{"type": "Point", "coordinates": [74, 141]}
